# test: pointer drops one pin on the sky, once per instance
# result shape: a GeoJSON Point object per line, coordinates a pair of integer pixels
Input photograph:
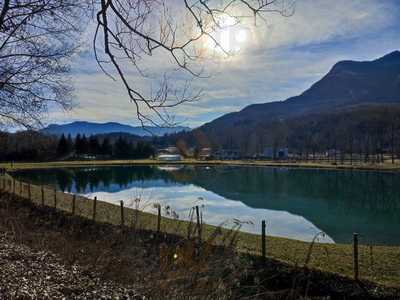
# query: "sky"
{"type": "Point", "coordinates": [279, 58]}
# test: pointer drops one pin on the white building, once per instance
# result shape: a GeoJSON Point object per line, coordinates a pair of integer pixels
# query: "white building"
{"type": "Point", "coordinates": [169, 157]}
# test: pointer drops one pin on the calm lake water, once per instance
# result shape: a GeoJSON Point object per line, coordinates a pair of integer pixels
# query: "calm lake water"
{"type": "Point", "coordinates": [296, 203]}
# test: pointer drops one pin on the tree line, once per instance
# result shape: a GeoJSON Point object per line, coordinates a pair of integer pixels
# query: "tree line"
{"type": "Point", "coordinates": [33, 146]}
{"type": "Point", "coordinates": [368, 133]}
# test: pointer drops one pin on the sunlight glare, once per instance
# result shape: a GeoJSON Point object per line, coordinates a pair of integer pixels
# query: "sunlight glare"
{"type": "Point", "coordinates": [230, 37]}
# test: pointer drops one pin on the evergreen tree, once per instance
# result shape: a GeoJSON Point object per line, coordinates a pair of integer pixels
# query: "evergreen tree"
{"type": "Point", "coordinates": [70, 144]}
{"type": "Point", "coordinates": [106, 147]}
{"type": "Point", "coordinates": [62, 147]}
{"type": "Point", "coordinates": [94, 147]}
{"type": "Point", "coordinates": [122, 148]}
{"type": "Point", "coordinates": [84, 145]}
{"type": "Point", "coordinates": [78, 144]}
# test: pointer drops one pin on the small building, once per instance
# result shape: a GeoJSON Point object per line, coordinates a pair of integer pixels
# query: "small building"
{"type": "Point", "coordinates": [168, 150]}
{"type": "Point", "coordinates": [205, 154]}
{"type": "Point", "coordinates": [169, 157]}
{"type": "Point", "coordinates": [276, 153]}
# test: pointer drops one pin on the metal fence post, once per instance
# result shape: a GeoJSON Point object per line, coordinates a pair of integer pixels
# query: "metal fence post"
{"type": "Point", "coordinates": [94, 208]}
{"type": "Point", "coordinates": [198, 223]}
{"type": "Point", "coordinates": [355, 255]}
{"type": "Point", "coordinates": [263, 246]}
{"type": "Point", "coordinates": [122, 214]}
{"type": "Point", "coordinates": [29, 192]}
{"type": "Point", "coordinates": [73, 204]}
{"type": "Point", "coordinates": [159, 218]}
{"type": "Point", "coordinates": [42, 190]}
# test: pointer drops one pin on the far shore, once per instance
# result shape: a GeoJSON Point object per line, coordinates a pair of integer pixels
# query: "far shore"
{"type": "Point", "coordinates": [386, 166]}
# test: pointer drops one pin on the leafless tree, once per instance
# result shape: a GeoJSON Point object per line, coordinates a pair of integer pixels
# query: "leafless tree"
{"type": "Point", "coordinates": [37, 40]}
{"type": "Point", "coordinates": [39, 37]}
{"type": "Point", "coordinates": [129, 31]}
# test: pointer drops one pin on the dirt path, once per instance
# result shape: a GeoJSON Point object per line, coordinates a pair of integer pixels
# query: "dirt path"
{"type": "Point", "coordinates": [27, 273]}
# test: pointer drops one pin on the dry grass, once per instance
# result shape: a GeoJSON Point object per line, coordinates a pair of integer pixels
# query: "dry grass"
{"type": "Point", "coordinates": [380, 264]}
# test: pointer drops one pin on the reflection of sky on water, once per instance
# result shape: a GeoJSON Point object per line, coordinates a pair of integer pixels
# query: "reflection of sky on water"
{"type": "Point", "coordinates": [216, 209]}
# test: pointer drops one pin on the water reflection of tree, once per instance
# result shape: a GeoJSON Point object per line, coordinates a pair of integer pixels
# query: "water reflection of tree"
{"type": "Point", "coordinates": [92, 179]}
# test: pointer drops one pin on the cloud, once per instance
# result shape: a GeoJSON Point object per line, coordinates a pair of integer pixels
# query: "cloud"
{"type": "Point", "coordinates": [284, 58]}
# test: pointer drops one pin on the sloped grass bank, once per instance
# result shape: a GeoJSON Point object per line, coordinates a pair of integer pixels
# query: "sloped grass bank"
{"type": "Point", "coordinates": [167, 266]}
{"type": "Point", "coordinates": [379, 264]}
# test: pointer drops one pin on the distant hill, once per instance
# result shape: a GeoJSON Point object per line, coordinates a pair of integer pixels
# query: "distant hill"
{"type": "Point", "coordinates": [89, 128]}
{"type": "Point", "coordinates": [347, 85]}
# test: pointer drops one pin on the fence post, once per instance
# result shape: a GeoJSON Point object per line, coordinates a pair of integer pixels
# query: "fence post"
{"type": "Point", "coordinates": [55, 198]}
{"type": "Point", "coordinates": [42, 190]}
{"type": "Point", "coordinates": [94, 208]}
{"type": "Point", "coordinates": [73, 204]}
{"type": "Point", "coordinates": [159, 218]}
{"type": "Point", "coordinates": [355, 255]}
{"type": "Point", "coordinates": [122, 214]}
{"type": "Point", "coordinates": [263, 248]}
{"type": "Point", "coordinates": [198, 223]}
{"type": "Point", "coordinates": [29, 192]}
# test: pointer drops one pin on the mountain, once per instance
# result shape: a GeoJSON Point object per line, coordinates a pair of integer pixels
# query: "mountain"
{"type": "Point", "coordinates": [89, 128]}
{"type": "Point", "coordinates": [347, 85]}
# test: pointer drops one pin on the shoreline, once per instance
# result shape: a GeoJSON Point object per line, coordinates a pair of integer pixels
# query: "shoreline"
{"type": "Point", "coordinates": [385, 167]}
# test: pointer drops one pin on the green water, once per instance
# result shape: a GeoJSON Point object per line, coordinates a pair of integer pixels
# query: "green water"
{"type": "Point", "coordinates": [297, 203]}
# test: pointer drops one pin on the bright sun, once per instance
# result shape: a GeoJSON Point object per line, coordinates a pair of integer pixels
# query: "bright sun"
{"type": "Point", "coordinates": [230, 36]}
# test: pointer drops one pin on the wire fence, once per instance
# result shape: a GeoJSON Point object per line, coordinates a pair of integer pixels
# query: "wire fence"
{"type": "Point", "coordinates": [380, 264]}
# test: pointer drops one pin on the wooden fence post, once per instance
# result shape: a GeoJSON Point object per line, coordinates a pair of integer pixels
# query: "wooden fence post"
{"type": "Point", "coordinates": [122, 214]}
{"type": "Point", "coordinates": [55, 198]}
{"type": "Point", "coordinates": [73, 204]}
{"type": "Point", "coordinates": [263, 246]}
{"type": "Point", "coordinates": [42, 190]}
{"type": "Point", "coordinates": [355, 255]}
{"type": "Point", "coordinates": [94, 208]}
{"type": "Point", "coordinates": [198, 223]}
{"type": "Point", "coordinates": [159, 218]}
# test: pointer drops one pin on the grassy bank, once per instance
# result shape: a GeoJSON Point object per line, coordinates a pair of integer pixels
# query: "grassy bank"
{"type": "Point", "coordinates": [380, 264]}
{"type": "Point", "coordinates": [51, 253]}
{"type": "Point", "coordinates": [386, 166]}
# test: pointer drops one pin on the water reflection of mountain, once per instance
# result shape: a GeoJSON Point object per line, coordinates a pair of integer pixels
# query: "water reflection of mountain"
{"type": "Point", "coordinates": [338, 202]}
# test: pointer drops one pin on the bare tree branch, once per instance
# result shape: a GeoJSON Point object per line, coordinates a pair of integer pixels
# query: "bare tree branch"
{"type": "Point", "coordinates": [129, 33]}
{"type": "Point", "coordinates": [37, 41]}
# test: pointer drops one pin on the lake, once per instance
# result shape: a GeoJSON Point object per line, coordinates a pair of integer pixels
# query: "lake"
{"type": "Point", "coordinates": [296, 203]}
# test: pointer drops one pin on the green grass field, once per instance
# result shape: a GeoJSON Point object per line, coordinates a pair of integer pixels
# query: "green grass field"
{"type": "Point", "coordinates": [380, 264]}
